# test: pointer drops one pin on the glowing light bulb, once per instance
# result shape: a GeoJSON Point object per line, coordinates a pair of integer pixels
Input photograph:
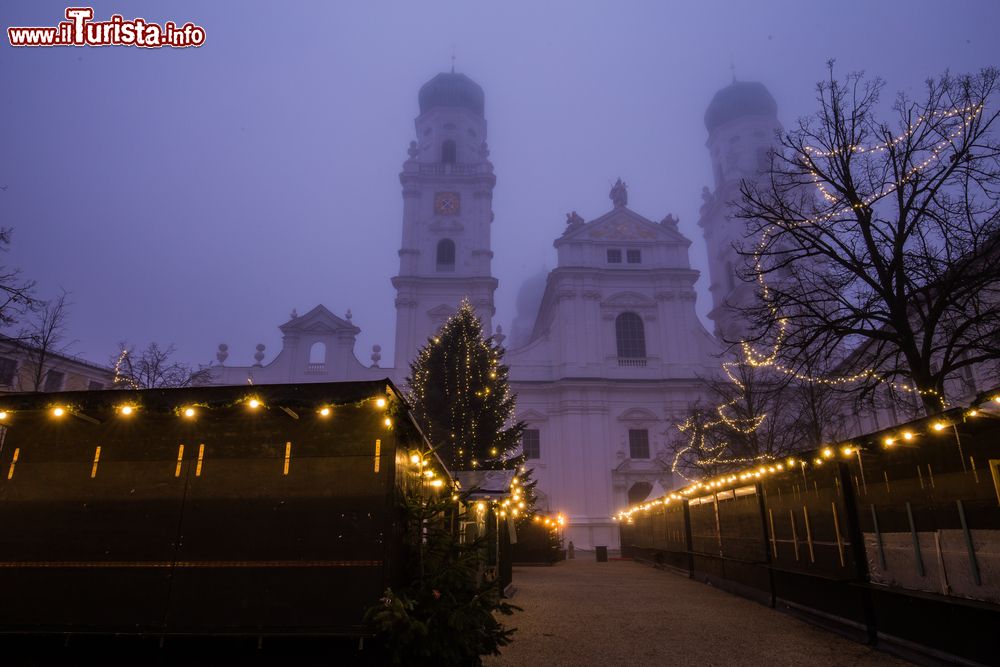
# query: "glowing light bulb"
{"type": "Point", "coordinates": [889, 442]}
{"type": "Point", "coordinates": [324, 412]}
{"type": "Point", "coordinates": [380, 402]}
{"type": "Point", "coordinates": [907, 435]}
{"type": "Point", "coordinates": [388, 422]}
{"type": "Point", "coordinates": [415, 459]}
{"type": "Point", "coordinates": [189, 412]}
{"type": "Point", "coordinates": [437, 483]}
{"type": "Point", "coordinates": [827, 452]}
{"type": "Point", "coordinates": [253, 403]}
{"type": "Point", "coordinates": [973, 412]}
{"type": "Point", "coordinates": [58, 412]}
{"type": "Point", "coordinates": [126, 410]}
{"type": "Point", "coordinates": [3, 415]}
{"type": "Point", "coordinates": [848, 451]}
{"type": "Point", "coordinates": [939, 426]}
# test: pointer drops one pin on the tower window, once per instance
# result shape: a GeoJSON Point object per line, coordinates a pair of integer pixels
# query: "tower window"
{"type": "Point", "coordinates": [631, 336]}
{"type": "Point", "coordinates": [614, 256]}
{"type": "Point", "coordinates": [531, 443]}
{"type": "Point", "coordinates": [638, 443]}
{"type": "Point", "coordinates": [633, 256]}
{"type": "Point", "coordinates": [446, 255]}
{"type": "Point", "coordinates": [449, 152]}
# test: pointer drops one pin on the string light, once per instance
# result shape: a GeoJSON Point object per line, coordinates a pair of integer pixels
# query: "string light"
{"type": "Point", "coordinates": [760, 471]}
{"type": "Point", "coordinates": [770, 360]}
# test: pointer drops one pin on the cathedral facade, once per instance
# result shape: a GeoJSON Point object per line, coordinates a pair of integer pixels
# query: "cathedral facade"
{"type": "Point", "coordinates": [607, 361]}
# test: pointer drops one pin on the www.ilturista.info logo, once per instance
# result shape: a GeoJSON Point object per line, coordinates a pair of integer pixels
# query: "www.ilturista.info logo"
{"type": "Point", "coordinates": [80, 30]}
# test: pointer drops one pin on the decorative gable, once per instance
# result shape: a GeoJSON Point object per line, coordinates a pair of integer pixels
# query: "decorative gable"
{"type": "Point", "coordinates": [319, 321]}
{"type": "Point", "coordinates": [622, 224]}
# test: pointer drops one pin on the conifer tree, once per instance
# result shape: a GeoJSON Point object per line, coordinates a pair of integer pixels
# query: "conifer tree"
{"type": "Point", "coordinates": [461, 397]}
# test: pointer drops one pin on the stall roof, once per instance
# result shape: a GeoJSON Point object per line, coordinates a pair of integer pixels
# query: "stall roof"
{"type": "Point", "coordinates": [485, 483]}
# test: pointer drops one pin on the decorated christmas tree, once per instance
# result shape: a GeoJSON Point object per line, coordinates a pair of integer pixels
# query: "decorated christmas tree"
{"type": "Point", "coordinates": [461, 397]}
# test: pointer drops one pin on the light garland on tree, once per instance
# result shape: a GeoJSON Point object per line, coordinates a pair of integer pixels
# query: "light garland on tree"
{"type": "Point", "coordinates": [769, 361]}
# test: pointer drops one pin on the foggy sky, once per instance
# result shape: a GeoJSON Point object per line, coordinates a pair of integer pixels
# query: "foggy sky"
{"type": "Point", "coordinates": [196, 196]}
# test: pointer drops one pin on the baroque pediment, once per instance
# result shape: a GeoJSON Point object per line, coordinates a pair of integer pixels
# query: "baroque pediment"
{"type": "Point", "coordinates": [622, 229]}
{"type": "Point", "coordinates": [318, 321]}
{"type": "Point", "coordinates": [624, 224]}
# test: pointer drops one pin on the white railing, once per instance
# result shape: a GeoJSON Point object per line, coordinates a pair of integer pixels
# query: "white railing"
{"type": "Point", "coordinates": [631, 362]}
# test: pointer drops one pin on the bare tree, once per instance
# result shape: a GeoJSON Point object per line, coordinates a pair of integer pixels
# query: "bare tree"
{"type": "Point", "coordinates": [43, 339]}
{"type": "Point", "coordinates": [878, 242]}
{"type": "Point", "coordinates": [762, 415]}
{"type": "Point", "coordinates": [152, 368]}
{"type": "Point", "coordinates": [16, 294]}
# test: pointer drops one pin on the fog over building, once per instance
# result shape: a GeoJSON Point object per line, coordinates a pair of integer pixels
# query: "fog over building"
{"type": "Point", "coordinates": [606, 351]}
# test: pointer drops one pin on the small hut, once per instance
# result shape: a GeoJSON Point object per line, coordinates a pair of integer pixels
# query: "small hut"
{"type": "Point", "coordinates": [239, 511]}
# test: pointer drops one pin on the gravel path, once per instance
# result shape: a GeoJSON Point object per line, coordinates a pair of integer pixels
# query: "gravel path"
{"type": "Point", "coordinates": [623, 613]}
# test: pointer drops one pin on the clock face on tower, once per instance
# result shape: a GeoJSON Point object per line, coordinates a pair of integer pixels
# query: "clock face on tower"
{"type": "Point", "coordinates": [446, 203]}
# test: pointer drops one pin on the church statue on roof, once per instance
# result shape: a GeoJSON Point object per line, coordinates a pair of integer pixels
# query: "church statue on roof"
{"type": "Point", "coordinates": [619, 194]}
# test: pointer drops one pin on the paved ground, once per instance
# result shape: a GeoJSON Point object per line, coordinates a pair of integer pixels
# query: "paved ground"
{"type": "Point", "coordinates": [624, 613]}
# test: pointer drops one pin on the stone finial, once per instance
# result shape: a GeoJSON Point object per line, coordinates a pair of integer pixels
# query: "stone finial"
{"type": "Point", "coordinates": [222, 354]}
{"type": "Point", "coordinates": [348, 315]}
{"type": "Point", "coordinates": [670, 221]}
{"type": "Point", "coordinates": [413, 151]}
{"type": "Point", "coordinates": [619, 193]}
{"type": "Point", "coordinates": [294, 314]}
{"type": "Point", "coordinates": [259, 355]}
{"type": "Point", "coordinates": [499, 336]}
{"type": "Point", "coordinates": [376, 355]}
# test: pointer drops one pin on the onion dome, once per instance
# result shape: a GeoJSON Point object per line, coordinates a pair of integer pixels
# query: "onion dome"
{"type": "Point", "coordinates": [741, 98]}
{"type": "Point", "coordinates": [449, 89]}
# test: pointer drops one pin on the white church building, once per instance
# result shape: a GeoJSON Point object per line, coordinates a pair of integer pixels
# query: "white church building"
{"type": "Point", "coordinates": [607, 359]}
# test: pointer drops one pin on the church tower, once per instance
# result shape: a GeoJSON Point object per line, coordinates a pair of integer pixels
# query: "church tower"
{"type": "Point", "coordinates": [448, 183]}
{"type": "Point", "coordinates": [741, 121]}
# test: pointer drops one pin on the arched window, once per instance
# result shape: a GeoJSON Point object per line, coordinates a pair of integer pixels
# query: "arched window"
{"type": "Point", "coordinates": [446, 255]}
{"type": "Point", "coordinates": [639, 492]}
{"type": "Point", "coordinates": [317, 358]}
{"type": "Point", "coordinates": [448, 152]}
{"type": "Point", "coordinates": [317, 353]}
{"type": "Point", "coordinates": [631, 336]}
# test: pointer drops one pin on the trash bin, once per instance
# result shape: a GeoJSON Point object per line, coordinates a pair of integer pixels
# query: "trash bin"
{"type": "Point", "coordinates": [602, 554]}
